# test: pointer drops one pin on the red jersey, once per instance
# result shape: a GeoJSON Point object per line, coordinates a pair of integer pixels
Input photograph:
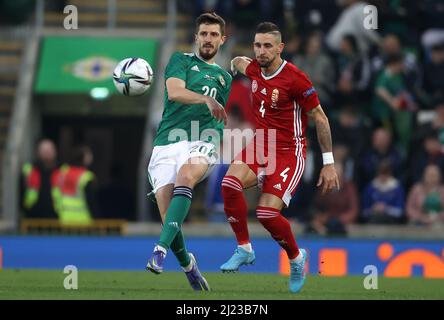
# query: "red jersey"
{"type": "Point", "coordinates": [280, 102]}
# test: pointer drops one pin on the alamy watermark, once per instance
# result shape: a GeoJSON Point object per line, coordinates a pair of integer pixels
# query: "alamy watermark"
{"type": "Point", "coordinates": [260, 145]}
{"type": "Point", "coordinates": [71, 281]}
{"type": "Point", "coordinates": [370, 21]}
{"type": "Point", "coordinates": [371, 280]}
{"type": "Point", "coordinates": [71, 21]}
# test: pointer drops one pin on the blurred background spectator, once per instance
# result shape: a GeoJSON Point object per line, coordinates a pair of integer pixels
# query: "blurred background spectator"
{"type": "Point", "coordinates": [350, 22]}
{"type": "Point", "coordinates": [425, 202]}
{"type": "Point", "coordinates": [39, 181]}
{"type": "Point", "coordinates": [354, 71]}
{"type": "Point", "coordinates": [77, 202]}
{"type": "Point", "coordinates": [434, 73]}
{"type": "Point", "coordinates": [334, 211]}
{"type": "Point", "coordinates": [393, 103]}
{"type": "Point", "coordinates": [381, 150]}
{"type": "Point", "coordinates": [318, 66]}
{"type": "Point", "coordinates": [383, 198]}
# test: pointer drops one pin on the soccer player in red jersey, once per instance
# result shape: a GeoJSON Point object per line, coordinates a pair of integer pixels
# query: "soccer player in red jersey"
{"type": "Point", "coordinates": [283, 100]}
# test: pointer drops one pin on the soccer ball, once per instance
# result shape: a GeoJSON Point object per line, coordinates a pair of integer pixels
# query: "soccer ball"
{"type": "Point", "coordinates": [133, 76]}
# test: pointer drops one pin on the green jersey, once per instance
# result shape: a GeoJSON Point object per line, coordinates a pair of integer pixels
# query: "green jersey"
{"type": "Point", "coordinates": [188, 121]}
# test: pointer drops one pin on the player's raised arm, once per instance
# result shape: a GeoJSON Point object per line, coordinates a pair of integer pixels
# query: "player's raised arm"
{"type": "Point", "coordinates": [178, 93]}
{"type": "Point", "coordinates": [328, 178]}
{"type": "Point", "coordinates": [240, 64]}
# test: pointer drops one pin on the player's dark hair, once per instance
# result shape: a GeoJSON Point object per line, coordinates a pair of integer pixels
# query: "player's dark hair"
{"type": "Point", "coordinates": [211, 18]}
{"type": "Point", "coordinates": [267, 27]}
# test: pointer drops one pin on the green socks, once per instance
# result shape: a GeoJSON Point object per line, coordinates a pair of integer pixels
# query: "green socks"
{"type": "Point", "coordinates": [180, 251]}
{"type": "Point", "coordinates": [171, 236]}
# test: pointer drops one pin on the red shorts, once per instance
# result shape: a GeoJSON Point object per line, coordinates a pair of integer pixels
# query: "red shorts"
{"type": "Point", "coordinates": [278, 172]}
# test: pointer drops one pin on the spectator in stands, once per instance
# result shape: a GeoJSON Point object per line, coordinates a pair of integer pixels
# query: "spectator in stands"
{"type": "Point", "coordinates": [354, 71]}
{"type": "Point", "coordinates": [350, 22]}
{"type": "Point", "coordinates": [383, 198]}
{"type": "Point", "coordinates": [431, 152]}
{"type": "Point", "coordinates": [425, 203]}
{"type": "Point", "coordinates": [393, 104]}
{"type": "Point", "coordinates": [431, 21]}
{"type": "Point", "coordinates": [318, 66]}
{"type": "Point", "coordinates": [77, 189]}
{"type": "Point", "coordinates": [292, 47]}
{"type": "Point", "coordinates": [335, 210]}
{"type": "Point", "coordinates": [391, 45]}
{"type": "Point", "coordinates": [436, 126]}
{"type": "Point", "coordinates": [38, 183]}
{"type": "Point", "coordinates": [342, 155]}
{"type": "Point", "coordinates": [434, 73]}
{"type": "Point", "coordinates": [381, 150]}
{"type": "Point", "coordinates": [349, 128]}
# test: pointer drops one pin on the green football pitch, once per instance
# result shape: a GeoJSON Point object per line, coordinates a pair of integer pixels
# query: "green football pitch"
{"type": "Point", "coordinates": [48, 284]}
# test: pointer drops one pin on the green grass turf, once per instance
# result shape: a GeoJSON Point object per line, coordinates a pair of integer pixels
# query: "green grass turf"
{"type": "Point", "coordinates": [48, 284]}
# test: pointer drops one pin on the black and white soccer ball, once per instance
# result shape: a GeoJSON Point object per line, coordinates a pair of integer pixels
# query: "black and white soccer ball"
{"type": "Point", "coordinates": [133, 76]}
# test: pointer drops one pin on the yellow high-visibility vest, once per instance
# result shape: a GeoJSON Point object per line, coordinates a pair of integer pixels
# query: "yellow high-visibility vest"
{"type": "Point", "coordinates": [72, 206]}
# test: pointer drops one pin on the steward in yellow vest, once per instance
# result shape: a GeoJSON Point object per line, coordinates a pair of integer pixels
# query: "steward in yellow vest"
{"type": "Point", "coordinates": [37, 186]}
{"type": "Point", "coordinates": [76, 203]}
{"type": "Point", "coordinates": [72, 189]}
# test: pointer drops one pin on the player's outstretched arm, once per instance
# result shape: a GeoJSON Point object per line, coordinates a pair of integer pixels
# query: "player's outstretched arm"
{"type": "Point", "coordinates": [177, 92]}
{"type": "Point", "coordinates": [240, 64]}
{"type": "Point", "coordinates": [328, 178]}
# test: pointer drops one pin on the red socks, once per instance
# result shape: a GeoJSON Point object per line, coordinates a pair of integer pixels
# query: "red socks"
{"type": "Point", "coordinates": [279, 228]}
{"type": "Point", "coordinates": [236, 208]}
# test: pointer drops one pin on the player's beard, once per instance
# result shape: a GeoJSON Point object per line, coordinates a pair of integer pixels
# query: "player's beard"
{"type": "Point", "coordinates": [266, 63]}
{"type": "Point", "coordinates": [207, 55]}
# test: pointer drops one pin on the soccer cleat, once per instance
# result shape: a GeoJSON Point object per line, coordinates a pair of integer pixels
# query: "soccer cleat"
{"type": "Point", "coordinates": [239, 258]}
{"type": "Point", "coordinates": [297, 273]}
{"type": "Point", "coordinates": [195, 278]}
{"type": "Point", "coordinates": [155, 263]}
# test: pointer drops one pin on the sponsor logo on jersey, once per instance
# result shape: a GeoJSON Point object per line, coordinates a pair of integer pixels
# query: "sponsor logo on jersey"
{"type": "Point", "coordinates": [254, 86]}
{"type": "Point", "coordinates": [209, 77]}
{"type": "Point", "coordinates": [274, 98]}
{"type": "Point", "coordinates": [264, 91]}
{"type": "Point", "coordinates": [308, 92]}
{"type": "Point", "coordinates": [222, 81]}
{"type": "Point", "coordinates": [195, 68]}
{"type": "Point", "coordinates": [278, 186]}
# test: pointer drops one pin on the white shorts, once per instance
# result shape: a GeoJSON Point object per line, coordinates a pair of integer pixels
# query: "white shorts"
{"type": "Point", "coordinates": [167, 160]}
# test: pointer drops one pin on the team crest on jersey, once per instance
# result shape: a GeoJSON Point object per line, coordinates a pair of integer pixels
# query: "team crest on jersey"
{"type": "Point", "coordinates": [222, 81]}
{"type": "Point", "coordinates": [274, 98]}
{"type": "Point", "coordinates": [254, 86]}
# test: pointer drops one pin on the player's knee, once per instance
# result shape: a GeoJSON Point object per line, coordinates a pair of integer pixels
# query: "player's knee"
{"type": "Point", "coordinates": [230, 185]}
{"type": "Point", "coordinates": [187, 180]}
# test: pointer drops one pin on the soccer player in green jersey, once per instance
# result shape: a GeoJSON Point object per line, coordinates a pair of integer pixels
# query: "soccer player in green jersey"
{"type": "Point", "coordinates": [188, 136]}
